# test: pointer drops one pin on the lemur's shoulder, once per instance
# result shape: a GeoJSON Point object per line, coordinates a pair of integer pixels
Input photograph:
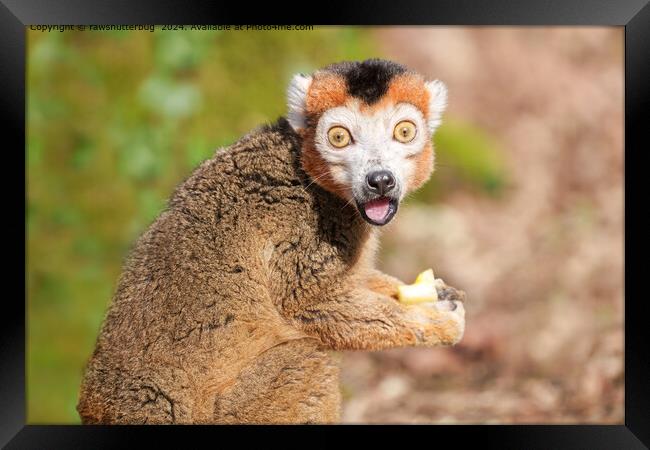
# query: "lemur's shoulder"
{"type": "Point", "coordinates": [267, 157]}
{"type": "Point", "coordinates": [267, 148]}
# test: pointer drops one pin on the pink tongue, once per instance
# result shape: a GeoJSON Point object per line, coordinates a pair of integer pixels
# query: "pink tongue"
{"type": "Point", "coordinates": [377, 209]}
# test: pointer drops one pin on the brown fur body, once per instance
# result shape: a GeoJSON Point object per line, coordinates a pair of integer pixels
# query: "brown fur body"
{"type": "Point", "coordinates": [229, 302]}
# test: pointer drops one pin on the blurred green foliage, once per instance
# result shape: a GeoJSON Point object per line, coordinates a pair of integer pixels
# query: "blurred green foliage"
{"type": "Point", "coordinates": [115, 121]}
{"type": "Point", "coordinates": [467, 158]}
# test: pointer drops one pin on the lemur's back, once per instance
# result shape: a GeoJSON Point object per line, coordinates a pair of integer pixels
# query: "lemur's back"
{"type": "Point", "coordinates": [200, 299]}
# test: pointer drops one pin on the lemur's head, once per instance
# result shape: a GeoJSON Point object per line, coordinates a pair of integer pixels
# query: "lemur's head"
{"type": "Point", "coordinates": [366, 130]}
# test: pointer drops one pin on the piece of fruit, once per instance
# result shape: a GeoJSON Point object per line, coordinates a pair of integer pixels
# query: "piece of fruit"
{"type": "Point", "coordinates": [411, 294]}
{"type": "Point", "coordinates": [425, 277]}
{"type": "Point", "coordinates": [423, 290]}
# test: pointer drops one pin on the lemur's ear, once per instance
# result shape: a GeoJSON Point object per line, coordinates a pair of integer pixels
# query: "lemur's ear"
{"type": "Point", "coordinates": [296, 100]}
{"type": "Point", "coordinates": [437, 102]}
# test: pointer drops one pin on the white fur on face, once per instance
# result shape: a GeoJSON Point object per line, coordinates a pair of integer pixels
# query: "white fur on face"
{"type": "Point", "coordinates": [373, 145]}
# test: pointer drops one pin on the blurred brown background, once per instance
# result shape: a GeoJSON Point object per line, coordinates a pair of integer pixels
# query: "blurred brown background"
{"type": "Point", "coordinates": [543, 264]}
{"type": "Point", "coordinates": [524, 211]}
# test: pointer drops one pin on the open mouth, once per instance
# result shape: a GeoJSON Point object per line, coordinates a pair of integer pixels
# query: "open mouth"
{"type": "Point", "coordinates": [378, 211]}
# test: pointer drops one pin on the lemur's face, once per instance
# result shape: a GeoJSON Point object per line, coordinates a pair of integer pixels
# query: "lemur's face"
{"type": "Point", "coordinates": [366, 130]}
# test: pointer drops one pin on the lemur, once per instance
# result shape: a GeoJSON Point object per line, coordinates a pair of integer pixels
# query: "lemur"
{"type": "Point", "coordinates": [230, 303]}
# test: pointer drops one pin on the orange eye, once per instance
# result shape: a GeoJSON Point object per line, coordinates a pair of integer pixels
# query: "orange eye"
{"type": "Point", "coordinates": [339, 137]}
{"type": "Point", "coordinates": [404, 131]}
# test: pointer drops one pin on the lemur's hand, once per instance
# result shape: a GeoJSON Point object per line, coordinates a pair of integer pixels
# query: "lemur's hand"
{"type": "Point", "coordinates": [449, 293]}
{"type": "Point", "coordinates": [437, 323]}
{"type": "Point", "coordinates": [441, 322]}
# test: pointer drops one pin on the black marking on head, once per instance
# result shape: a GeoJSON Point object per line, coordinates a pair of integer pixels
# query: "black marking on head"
{"type": "Point", "coordinates": [369, 79]}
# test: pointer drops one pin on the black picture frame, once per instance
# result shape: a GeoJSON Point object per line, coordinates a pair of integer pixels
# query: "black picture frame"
{"type": "Point", "coordinates": [633, 15]}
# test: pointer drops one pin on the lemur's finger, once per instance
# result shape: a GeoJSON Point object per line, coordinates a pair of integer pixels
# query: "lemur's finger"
{"type": "Point", "coordinates": [444, 305]}
{"type": "Point", "coordinates": [451, 294]}
{"type": "Point", "coordinates": [449, 305]}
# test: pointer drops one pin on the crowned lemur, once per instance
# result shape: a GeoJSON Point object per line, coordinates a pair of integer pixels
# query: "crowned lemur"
{"type": "Point", "coordinates": [262, 262]}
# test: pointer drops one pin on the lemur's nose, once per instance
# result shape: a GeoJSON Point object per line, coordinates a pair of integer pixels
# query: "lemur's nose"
{"type": "Point", "coordinates": [380, 181]}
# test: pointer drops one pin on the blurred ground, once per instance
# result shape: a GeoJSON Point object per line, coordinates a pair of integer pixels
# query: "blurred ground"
{"type": "Point", "coordinates": [524, 211]}
{"type": "Point", "coordinates": [543, 264]}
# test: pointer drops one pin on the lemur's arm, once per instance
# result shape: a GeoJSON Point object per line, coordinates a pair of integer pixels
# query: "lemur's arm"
{"type": "Point", "coordinates": [359, 319]}
{"type": "Point", "coordinates": [381, 283]}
